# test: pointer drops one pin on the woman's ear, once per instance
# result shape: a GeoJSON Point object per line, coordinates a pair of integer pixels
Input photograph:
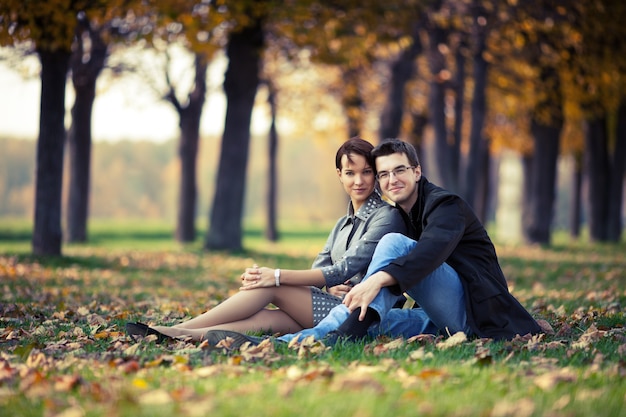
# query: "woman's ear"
{"type": "Point", "coordinates": [339, 174]}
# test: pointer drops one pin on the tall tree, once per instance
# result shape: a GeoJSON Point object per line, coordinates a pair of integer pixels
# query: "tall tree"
{"type": "Point", "coordinates": [240, 85]}
{"type": "Point", "coordinates": [402, 71]}
{"type": "Point", "coordinates": [189, 122]}
{"type": "Point", "coordinates": [47, 233]}
{"type": "Point", "coordinates": [477, 159]}
{"type": "Point", "coordinates": [605, 145]}
{"type": "Point", "coordinates": [440, 77]}
{"type": "Point", "coordinates": [87, 61]}
{"type": "Point", "coordinates": [50, 27]}
{"type": "Point", "coordinates": [271, 229]}
{"type": "Point", "coordinates": [196, 28]}
{"type": "Point", "coordinates": [546, 126]}
{"type": "Point", "coordinates": [598, 71]}
{"type": "Point", "coordinates": [528, 65]}
{"type": "Point", "coordinates": [618, 169]}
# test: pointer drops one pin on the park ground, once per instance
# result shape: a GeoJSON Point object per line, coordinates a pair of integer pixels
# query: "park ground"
{"type": "Point", "coordinates": [63, 351]}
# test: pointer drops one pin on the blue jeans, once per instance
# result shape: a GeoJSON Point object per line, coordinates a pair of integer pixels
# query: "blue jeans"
{"type": "Point", "coordinates": [440, 297]}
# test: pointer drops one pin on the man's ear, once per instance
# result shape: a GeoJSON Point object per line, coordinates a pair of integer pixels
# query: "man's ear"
{"type": "Point", "coordinates": [418, 172]}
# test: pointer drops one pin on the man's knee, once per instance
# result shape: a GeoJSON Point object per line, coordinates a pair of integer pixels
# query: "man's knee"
{"type": "Point", "coordinates": [394, 240]}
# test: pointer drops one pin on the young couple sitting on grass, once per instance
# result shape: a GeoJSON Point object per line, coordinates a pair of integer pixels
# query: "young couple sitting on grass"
{"type": "Point", "coordinates": [430, 246]}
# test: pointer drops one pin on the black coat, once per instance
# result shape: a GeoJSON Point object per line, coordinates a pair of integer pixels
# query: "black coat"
{"type": "Point", "coordinates": [448, 231]}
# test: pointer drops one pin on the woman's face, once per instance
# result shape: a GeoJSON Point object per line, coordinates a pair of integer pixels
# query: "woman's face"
{"type": "Point", "coordinates": [357, 177]}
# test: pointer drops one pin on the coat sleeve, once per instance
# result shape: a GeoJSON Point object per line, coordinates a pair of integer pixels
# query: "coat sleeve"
{"type": "Point", "coordinates": [354, 263]}
{"type": "Point", "coordinates": [444, 226]}
{"type": "Point", "coordinates": [324, 257]}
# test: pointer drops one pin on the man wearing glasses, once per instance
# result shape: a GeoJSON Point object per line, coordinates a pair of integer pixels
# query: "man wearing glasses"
{"type": "Point", "coordinates": [447, 264]}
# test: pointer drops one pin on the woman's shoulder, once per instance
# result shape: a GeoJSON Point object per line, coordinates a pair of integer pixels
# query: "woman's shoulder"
{"type": "Point", "coordinates": [386, 210]}
{"type": "Point", "coordinates": [374, 205]}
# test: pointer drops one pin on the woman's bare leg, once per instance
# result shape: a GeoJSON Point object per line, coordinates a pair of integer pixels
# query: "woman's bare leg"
{"type": "Point", "coordinates": [266, 320]}
{"type": "Point", "coordinates": [294, 302]}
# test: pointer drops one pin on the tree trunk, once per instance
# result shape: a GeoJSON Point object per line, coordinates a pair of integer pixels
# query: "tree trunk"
{"type": "Point", "coordinates": [402, 71]}
{"type": "Point", "coordinates": [545, 127]}
{"type": "Point", "coordinates": [419, 121]}
{"type": "Point", "coordinates": [352, 101]}
{"type": "Point", "coordinates": [527, 183]}
{"type": "Point", "coordinates": [477, 163]}
{"type": "Point", "coordinates": [85, 73]}
{"type": "Point", "coordinates": [596, 144]}
{"type": "Point", "coordinates": [575, 203]}
{"type": "Point", "coordinates": [483, 188]}
{"type": "Point", "coordinates": [544, 161]}
{"type": "Point", "coordinates": [616, 180]}
{"type": "Point", "coordinates": [188, 152]}
{"type": "Point", "coordinates": [436, 100]}
{"type": "Point", "coordinates": [240, 85]}
{"type": "Point", "coordinates": [459, 105]}
{"type": "Point", "coordinates": [271, 230]}
{"type": "Point", "coordinates": [47, 234]}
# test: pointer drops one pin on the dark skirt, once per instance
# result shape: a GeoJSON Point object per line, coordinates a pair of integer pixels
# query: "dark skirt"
{"type": "Point", "coordinates": [323, 302]}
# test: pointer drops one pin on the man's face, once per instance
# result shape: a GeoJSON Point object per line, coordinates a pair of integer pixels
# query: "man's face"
{"type": "Point", "coordinates": [398, 179]}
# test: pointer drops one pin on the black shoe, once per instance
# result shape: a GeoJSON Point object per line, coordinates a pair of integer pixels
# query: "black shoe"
{"type": "Point", "coordinates": [143, 330]}
{"type": "Point", "coordinates": [213, 337]}
{"type": "Point", "coordinates": [335, 336]}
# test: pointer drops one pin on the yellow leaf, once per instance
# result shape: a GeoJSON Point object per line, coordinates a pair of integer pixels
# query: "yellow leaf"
{"type": "Point", "coordinates": [140, 383]}
{"type": "Point", "coordinates": [431, 373]}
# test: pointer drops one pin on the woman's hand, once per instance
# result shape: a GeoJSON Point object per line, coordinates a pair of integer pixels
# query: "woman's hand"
{"type": "Point", "coordinates": [340, 290]}
{"type": "Point", "coordinates": [257, 277]}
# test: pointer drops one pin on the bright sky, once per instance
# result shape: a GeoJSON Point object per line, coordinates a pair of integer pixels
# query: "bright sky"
{"type": "Point", "coordinates": [122, 110]}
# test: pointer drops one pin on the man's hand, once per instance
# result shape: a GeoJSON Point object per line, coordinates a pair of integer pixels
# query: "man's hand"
{"type": "Point", "coordinates": [364, 292]}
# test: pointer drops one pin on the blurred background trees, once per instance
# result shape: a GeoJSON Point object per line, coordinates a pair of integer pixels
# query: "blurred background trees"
{"type": "Point", "coordinates": [461, 79]}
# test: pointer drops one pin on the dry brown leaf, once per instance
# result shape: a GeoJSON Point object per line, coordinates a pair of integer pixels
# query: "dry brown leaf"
{"type": "Point", "coordinates": [545, 326]}
{"type": "Point", "coordinates": [382, 348]}
{"type": "Point", "coordinates": [586, 339]}
{"type": "Point", "coordinates": [132, 349]}
{"type": "Point", "coordinates": [82, 311]}
{"type": "Point", "coordinates": [454, 340]}
{"type": "Point", "coordinates": [521, 408]}
{"type": "Point", "coordinates": [307, 346]}
{"type": "Point", "coordinates": [156, 397]}
{"type": "Point", "coordinates": [66, 383]}
{"type": "Point", "coordinates": [549, 380]}
{"type": "Point", "coordinates": [420, 354]}
{"type": "Point", "coordinates": [354, 382]}
{"type": "Point", "coordinates": [432, 373]}
{"type": "Point", "coordinates": [422, 339]}
{"type": "Point", "coordinates": [74, 411]}
{"type": "Point", "coordinates": [130, 366]}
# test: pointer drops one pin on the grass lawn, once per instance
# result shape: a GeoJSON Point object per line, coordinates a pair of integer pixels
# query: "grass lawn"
{"type": "Point", "coordinates": [63, 351]}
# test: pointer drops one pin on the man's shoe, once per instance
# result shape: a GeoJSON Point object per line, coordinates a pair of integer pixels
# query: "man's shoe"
{"type": "Point", "coordinates": [335, 336]}
{"type": "Point", "coordinates": [213, 337]}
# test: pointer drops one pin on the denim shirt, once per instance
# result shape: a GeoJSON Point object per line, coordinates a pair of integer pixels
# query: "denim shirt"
{"type": "Point", "coordinates": [350, 245]}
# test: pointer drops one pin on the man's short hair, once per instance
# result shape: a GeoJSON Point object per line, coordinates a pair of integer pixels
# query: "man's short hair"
{"type": "Point", "coordinates": [393, 145]}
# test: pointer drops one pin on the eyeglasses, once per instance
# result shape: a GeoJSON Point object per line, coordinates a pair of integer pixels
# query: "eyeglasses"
{"type": "Point", "coordinates": [397, 172]}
